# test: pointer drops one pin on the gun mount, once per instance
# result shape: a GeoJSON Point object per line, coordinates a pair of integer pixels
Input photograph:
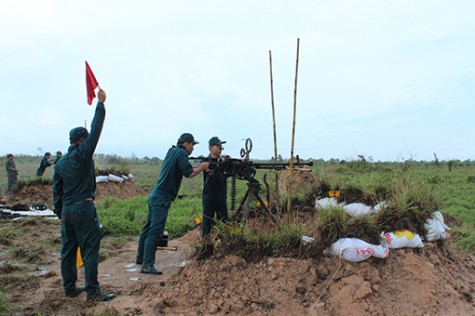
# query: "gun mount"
{"type": "Point", "coordinates": [246, 169]}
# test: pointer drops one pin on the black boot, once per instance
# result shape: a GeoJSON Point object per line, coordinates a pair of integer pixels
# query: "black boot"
{"type": "Point", "coordinates": [150, 270]}
{"type": "Point", "coordinates": [74, 292]}
{"type": "Point", "coordinates": [100, 296]}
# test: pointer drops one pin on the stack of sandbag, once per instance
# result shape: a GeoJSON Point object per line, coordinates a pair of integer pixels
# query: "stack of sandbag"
{"type": "Point", "coordinates": [352, 209]}
{"type": "Point", "coordinates": [114, 178]}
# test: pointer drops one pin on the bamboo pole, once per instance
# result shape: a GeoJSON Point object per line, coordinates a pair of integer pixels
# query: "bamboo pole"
{"type": "Point", "coordinates": [275, 131]}
{"type": "Point", "coordinates": [293, 129]}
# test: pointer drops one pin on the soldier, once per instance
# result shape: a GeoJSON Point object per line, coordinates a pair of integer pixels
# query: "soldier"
{"type": "Point", "coordinates": [58, 157]}
{"type": "Point", "coordinates": [12, 173]}
{"type": "Point", "coordinates": [74, 186]}
{"type": "Point", "coordinates": [214, 191]}
{"type": "Point", "coordinates": [44, 163]}
{"type": "Point", "coordinates": [174, 167]}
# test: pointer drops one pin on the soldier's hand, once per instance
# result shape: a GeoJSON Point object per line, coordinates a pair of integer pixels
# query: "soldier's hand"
{"type": "Point", "coordinates": [204, 166]}
{"type": "Point", "coordinates": [101, 96]}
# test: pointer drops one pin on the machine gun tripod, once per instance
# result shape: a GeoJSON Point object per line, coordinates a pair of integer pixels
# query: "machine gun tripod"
{"type": "Point", "coordinates": [253, 189]}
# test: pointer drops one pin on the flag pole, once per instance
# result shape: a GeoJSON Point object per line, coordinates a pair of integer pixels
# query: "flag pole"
{"type": "Point", "coordinates": [275, 132]}
{"type": "Point", "coordinates": [293, 128]}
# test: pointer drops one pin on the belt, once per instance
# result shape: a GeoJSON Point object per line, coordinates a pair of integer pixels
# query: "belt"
{"type": "Point", "coordinates": [85, 201]}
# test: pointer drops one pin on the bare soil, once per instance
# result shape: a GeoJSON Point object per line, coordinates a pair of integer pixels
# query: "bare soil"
{"type": "Point", "coordinates": [434, 280]}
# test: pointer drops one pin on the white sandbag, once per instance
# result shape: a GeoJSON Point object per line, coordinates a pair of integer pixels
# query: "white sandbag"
{"type": "Point", "coordinates": [402, 239]}
{"type": "Point", "coordinates": [358, 209]}
{"type": "Point", "coordinates": [326, 202]}
{"type": "Point", "coordinates": [102, 178]}
{"type": "Point", "coordinates": [114, 178]}
{"type": "Point", "coordinates": [130, 176]}
{"type": "Point", "coordinates": [355, 250]}
{"type": "Point", "coordinates": [435, 227]}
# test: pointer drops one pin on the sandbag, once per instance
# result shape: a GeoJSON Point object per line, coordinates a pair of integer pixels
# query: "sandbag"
{"type": "Point", "coordinates": [114, 178]}
{"type": "Point", "coordinates": [102, 179]}
{"type": "Point", "coordinates": [402, 239]}
{"type": "Point", "coordinates": [435, 227]}
{"type": "Point", "coordinates": [356, 250]}
{"type": "Point", "coordinates": [358, 209]}
{"type": "Point", "coordinates": [326, 202]}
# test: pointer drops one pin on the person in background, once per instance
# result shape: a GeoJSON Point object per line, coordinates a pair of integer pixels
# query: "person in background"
{"type": "Point", "coordinates": [74, 186]}
{"type": "Point", "coordinates": [214, 191]}
{"type": "Point", "coordinates": [174, 167]}
{"type": "Point", "coordinates": [44, 163]}
{"type": "Point", "coordinates": [12, 173]}
{"type": "Point", "coordinates": [58, 157]}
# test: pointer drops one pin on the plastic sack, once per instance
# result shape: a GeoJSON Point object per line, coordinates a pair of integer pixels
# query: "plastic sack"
{"type": "Point", "coordinates": [102, 178]}
{"type": "Point", "coordinates": [402, 239]}
{"type": "Point", "coordinates": [114, 178]}
{"type": "Point", "coordinates": [358, 209]}
{"type": "Point", "coordinates": [356, 250]}
{"type": "Point", "coordinates": [325, 202]}
{"type": "Point", "coordinates": [435, 227]}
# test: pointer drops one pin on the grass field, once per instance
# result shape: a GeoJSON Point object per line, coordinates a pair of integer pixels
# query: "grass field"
{"type": "Point", "coordinates": [453, 190]}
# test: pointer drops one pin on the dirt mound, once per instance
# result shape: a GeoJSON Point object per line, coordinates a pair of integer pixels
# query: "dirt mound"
{"type": "Point", "coordinates": [42, 192]}
{"type": "Point", "coordinates": [434, 280]}
{"type": "Point", "coordinates": [429, 282]}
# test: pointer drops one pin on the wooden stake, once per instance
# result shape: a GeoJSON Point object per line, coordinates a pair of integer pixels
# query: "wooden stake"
{"type": "Point", "coordinates": [275, 132]}
{"type": "Point", "coordinates": [293, 129]}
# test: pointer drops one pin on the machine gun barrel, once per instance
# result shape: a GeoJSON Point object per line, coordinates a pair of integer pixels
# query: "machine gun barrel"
{"type": "Point", "coordinates": [279, 165]}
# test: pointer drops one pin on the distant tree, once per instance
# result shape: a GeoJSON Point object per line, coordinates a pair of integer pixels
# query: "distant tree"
{"type": "Point", "coordinates": [436, 160]}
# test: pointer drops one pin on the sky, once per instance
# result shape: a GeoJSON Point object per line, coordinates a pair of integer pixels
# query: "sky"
{"type": "Point", "coordinates": [389, 80]}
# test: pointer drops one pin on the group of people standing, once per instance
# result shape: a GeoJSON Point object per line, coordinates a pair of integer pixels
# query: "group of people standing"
{"type": "Point", "coordinates": [12, 170]}
{"type": "Point", "coordinates": [73, 193]}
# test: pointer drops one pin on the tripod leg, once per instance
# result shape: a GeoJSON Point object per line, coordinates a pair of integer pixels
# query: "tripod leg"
{"type": "Point", "coordinates": [245, 211]}
{"type": "Point", "coordinates": [258, 197]}
{"type": "Point", "coordinates": [243, 208]}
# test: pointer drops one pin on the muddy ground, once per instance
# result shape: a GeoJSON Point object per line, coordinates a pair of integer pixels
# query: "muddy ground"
{"type": "Point", "coordinates": [434, 280]}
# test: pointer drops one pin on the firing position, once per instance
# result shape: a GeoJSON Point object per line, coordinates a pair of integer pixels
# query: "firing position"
{"type": "Point", "coordinates": [12, 173]}
{"type": "Point", "coordinates": [74, 186]}
{"type": "Point", "coordinates": [44, 163]}
{"type": "Point", "coordinates": [214, 191]}
{"type": "Point", "coordinates": [175, 165]}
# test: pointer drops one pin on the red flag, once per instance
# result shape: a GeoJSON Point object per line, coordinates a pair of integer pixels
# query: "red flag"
{"type": "Point", "coordinates": [91, 84]}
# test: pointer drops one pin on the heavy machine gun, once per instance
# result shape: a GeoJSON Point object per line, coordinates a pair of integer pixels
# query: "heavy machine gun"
{"type": "Point", "coordinates": [246, 169]}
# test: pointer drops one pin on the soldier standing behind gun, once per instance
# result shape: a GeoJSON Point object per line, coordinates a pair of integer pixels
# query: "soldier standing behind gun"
{"type": "Point", "coordinates": [175, 165]}
{"type": "Point", "coordinates": [214, 191]}
{"type": "Point", "coordinates": [58, 157]}
{"type": "Point", "coordinates": [44, 163]}
{"type": "Point", "coordinates": [12, 173]}
{"type": "Point", "coordinates": [74, 185]}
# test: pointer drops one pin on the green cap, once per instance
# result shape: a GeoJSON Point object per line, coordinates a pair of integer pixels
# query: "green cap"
{"type": "Point", "coordinates": [187, 137]}
{"type": "Point", "coordinates": [78, 132]}
{"type": "Point", "coordinates": [215, 141]}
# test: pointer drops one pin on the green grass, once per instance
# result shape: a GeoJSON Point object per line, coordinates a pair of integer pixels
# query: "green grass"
{"type": "Point", "coordinates": [418, 188]}
{"type": "Point", "coordinates": [4, 307]}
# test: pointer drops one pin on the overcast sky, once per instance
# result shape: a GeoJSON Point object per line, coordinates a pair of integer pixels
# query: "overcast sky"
{"type": "Point", "coordinates": [391, 80]}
